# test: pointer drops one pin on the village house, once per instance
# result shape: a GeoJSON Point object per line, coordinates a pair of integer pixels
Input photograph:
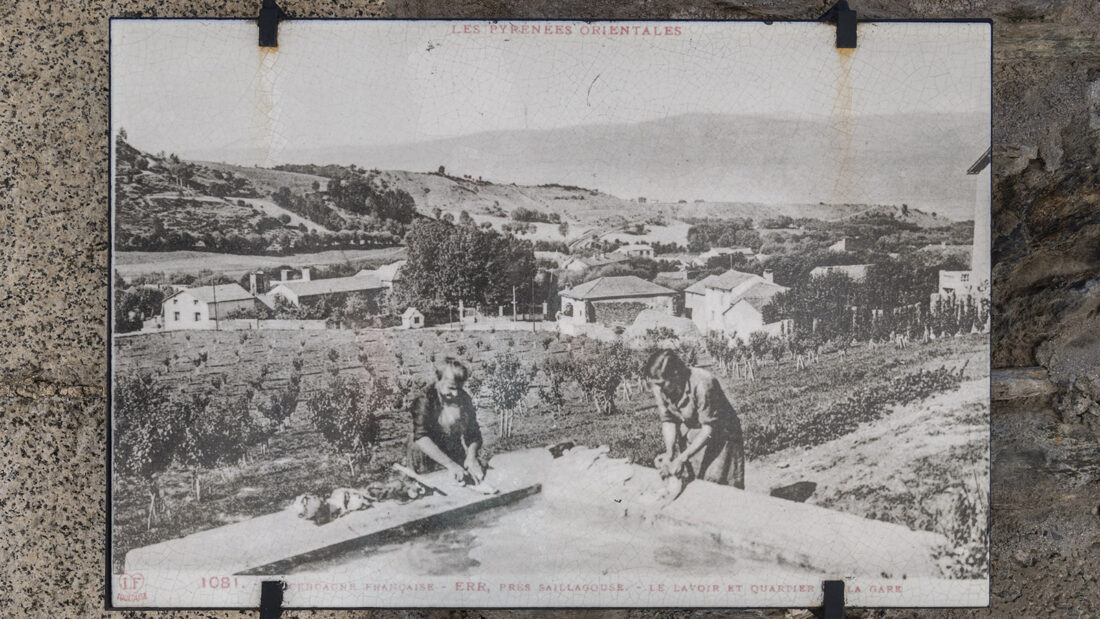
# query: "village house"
{"type": "Point", "coordinates": [731, 303]}
{"type": "Point", "coordinates": [957, 285]}
{"type": "Point", "coordinates": [714, 252]}
{"type": "Point", "coordinates": [386, 274]}
{"type": "Point", "coordinates": [581, 264]}
{"type": "Point", "coordinates": [615, 301]}
{"type": "Point", "coordinates": [683, 259]}
{"type": "Point", "coordinates": [848, 244]}
{"type": "Point", "coordinates": [636, 250]}
{"type": "Point", "coordinates": [204, 306]}
{"type": "Point", "coordinates": [857, 272]}
{"type": "Point", "coordinates": [306, 293]}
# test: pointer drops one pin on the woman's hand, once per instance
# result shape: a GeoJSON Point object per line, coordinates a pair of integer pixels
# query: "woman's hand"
{"type": "Point", "coordinates": [473, 467]}
{"type": "Point", "coordinates": [663, 463]}
{"type": "Point", "coordinates": [676, 465]}
{"type": "Point", "coordinates": [457, 472]}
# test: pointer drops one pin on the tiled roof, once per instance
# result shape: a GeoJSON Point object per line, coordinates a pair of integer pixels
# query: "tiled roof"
{"type": "Point", "coordinates": [221, 292]}
{"type": "Point", "coordinates": [621, 286]}
{"type": "Point", "coordinates": [759, 294]}
{"type": "Point", "coordinates": [602, 260]}
{"type": "Point", "coordinates": [391, 271]}
{"type": "Point", "coordinates": [726, 281]}
{"type": "Point", "coordinates": [334, 285]}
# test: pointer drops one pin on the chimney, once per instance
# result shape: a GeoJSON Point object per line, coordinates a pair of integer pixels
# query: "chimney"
{"type": "Point", "coordinates": [305, 274]}
{"type": "Point", "coordinates": [252, 284]}
{"type": "Point", "coordinates": [261, 282]}
{"type": "Point", "coordinates": [769, 277]}
{"type": "Point", "coordinates": [283, 275]}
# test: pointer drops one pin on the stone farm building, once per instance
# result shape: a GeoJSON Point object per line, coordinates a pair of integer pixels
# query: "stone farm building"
{"type": "Point", "coordinates": [857, 272]}
{"type": "Point", "coordinates": [583, 263]}
{"type": "Point", "coordinates": [732, 303]}
{"type": "Point", "coordinates": [705, 257]}
{"type": "Point", "coordinates": [304, 293]}
{"type": "Point", "coordinates": [615, 301]}
{"type": "Point", "coordinates": [849, 244]}
{"type": "Point", "coordinates": [202, 307]}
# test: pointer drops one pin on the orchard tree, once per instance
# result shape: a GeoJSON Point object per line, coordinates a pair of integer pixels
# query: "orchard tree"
{"type": "Point", "coordinates": [146, 426]}
{"type": "Point", "coordinates": [214, 429]}
{"type": "Point", "coordinates": [274, 406]}
{"type": "Point", "coordinates": [506, 383]}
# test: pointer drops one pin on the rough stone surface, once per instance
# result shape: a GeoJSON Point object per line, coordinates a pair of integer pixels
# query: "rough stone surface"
{"type": "Point", "coordinates": [53, 211]}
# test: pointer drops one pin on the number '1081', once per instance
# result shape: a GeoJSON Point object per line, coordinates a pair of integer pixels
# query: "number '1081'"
{"type": "Point", "coordinates": [219, 582]}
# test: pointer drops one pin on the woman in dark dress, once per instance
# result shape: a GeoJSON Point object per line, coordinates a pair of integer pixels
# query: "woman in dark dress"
{"type": "Point", "coordinates": [697, 421]}
{"type": "Point", "coordinates": [445, 429]}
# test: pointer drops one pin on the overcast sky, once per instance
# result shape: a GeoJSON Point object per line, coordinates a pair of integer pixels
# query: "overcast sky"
{"type": "Point", "coordinates": [205, 90]}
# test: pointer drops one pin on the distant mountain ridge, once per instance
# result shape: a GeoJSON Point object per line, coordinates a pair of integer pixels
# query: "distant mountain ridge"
{"type": "Point", "coordinates": [914, 159]}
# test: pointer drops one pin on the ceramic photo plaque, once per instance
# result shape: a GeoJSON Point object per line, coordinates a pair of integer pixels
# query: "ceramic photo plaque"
{"type": "Point", "coordinates": [549, 314]}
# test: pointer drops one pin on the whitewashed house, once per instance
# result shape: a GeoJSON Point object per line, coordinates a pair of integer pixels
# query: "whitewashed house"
{"type": "Point", "coordinates": [731, 303]}
{"type": "Point", "coordinates": [857, 272]}
{"type": "Point", "coordinates": [636, 250]}
{"type": "Point", "coordinates": [202, 307]}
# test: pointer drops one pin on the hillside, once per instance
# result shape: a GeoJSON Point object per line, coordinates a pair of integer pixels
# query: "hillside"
{"type": "Point", "coordinates": [163, 203]}
{"type": "Point", "coordinates": [918, 159]}
{"type": "Point", "coordinates": [167, 204]}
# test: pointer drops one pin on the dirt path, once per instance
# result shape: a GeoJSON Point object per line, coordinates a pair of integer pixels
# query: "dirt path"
{"type": "Point", "coordinates": [916, 458]}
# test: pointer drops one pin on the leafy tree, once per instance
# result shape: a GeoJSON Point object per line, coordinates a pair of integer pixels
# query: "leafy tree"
{"type": "Point", "coordinates": [736, 232]}
{"type": "Point", "coordinates": [819, 306]}
{"type": "Point", "coordinates": [447, 264]}
{"type": "Point", "coordinates": [140, 301]}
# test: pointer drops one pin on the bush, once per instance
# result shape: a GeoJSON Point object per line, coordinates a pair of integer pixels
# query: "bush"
{"type": "Point", "coordinates": [599, 373]}
{"type": "Point", "coordinates": [346, 412]}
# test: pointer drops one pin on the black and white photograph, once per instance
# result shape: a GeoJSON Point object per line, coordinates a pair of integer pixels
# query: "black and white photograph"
{"type": "Point", "coordinates": [549, 314]}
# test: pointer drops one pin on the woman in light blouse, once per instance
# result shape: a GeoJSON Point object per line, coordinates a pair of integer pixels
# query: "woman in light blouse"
{"type": "Point", "coordinates": [697, 421]}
